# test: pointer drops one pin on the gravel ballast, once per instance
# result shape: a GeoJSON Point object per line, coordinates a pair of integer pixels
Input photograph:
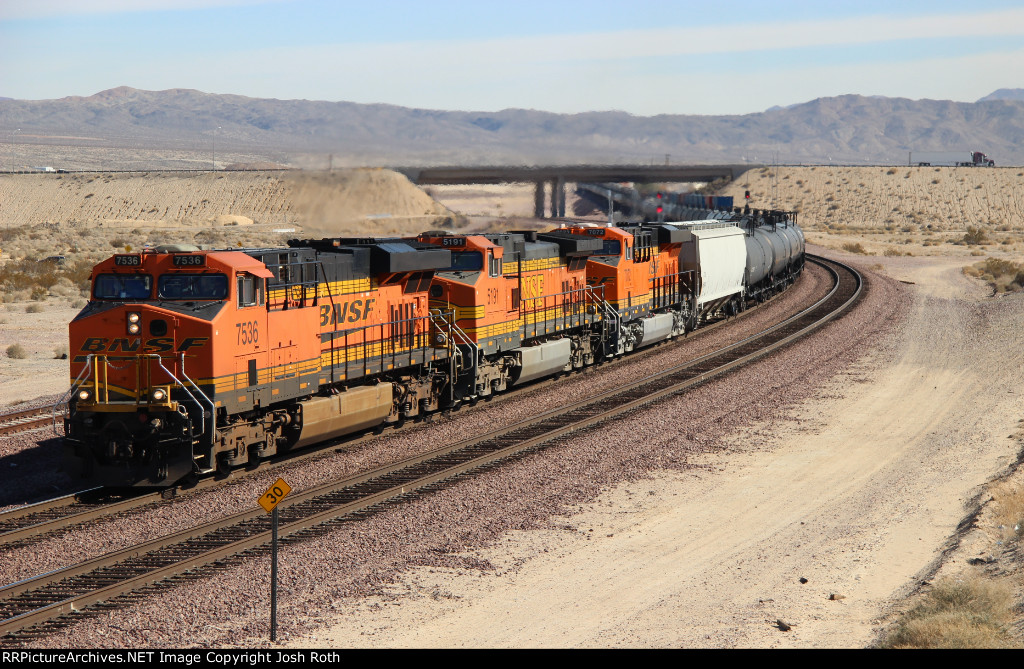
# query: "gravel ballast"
{"type": "Point", "coordinates": [325, 575]}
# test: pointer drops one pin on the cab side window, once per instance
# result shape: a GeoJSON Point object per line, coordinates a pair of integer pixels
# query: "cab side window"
{"type": "Point", "coordinates": [493, 264]}
{"type": "Point", "coordinates": [250, 291]}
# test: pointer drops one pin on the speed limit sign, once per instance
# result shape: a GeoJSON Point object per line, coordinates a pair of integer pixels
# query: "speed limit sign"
{"type": "Point", "coordinates": [274, 494]}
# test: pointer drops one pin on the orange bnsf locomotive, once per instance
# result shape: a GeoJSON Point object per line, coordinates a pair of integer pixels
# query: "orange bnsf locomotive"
{"type": "Point", "coordinates": [186, 361]}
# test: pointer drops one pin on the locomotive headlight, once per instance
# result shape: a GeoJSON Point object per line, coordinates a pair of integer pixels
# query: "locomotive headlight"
{"type": "Point", "coordinates": [159, 395]}
{"type": "Point", "coordinates": [133, 328]}
{"type": "Point", "coordinates": [134, 317]}
{"type": "Point", "coordinates": [83, 395]}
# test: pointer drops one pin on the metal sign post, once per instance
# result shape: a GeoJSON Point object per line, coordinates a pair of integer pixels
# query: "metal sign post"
{"type": "Point", "coordinates": [273, 575]}
{"type": "Point", "coordinates": [269, 501]}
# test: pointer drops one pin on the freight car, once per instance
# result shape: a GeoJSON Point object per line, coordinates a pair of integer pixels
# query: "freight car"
{"type": "Point", "coordinates": [185, 361]}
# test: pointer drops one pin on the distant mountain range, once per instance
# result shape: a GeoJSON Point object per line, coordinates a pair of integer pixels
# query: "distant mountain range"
{"type": "Point", "coordinates": [845, 129]}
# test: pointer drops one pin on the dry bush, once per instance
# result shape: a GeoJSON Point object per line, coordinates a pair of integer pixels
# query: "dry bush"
{"type": "Point", "coordinates": [34, 309]}
{"type": "Point", "coordinates": [1009, 506]}
{"type": "Point", "coordinates": [1005, 276]}
{"type": "Point", "coordinates": [855, 247]}
{"type": "Point", "coordinates": [27, 277]}
{"type": "Point", "coordinates": [961, 613]}
{"type": "Point", "coordinates": [60, 353]}
{"type": "Point", "coordinates": [975, 236]}
{"type": "Point", "coordinates": [17, 352]}
{"type": "Point", "coordinates": [8, 234]}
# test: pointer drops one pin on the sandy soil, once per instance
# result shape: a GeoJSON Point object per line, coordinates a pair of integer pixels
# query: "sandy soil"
{"type": "Point", "coordinates": [342, 201]}
{"type": "Point", "coordinates": [895, 210]}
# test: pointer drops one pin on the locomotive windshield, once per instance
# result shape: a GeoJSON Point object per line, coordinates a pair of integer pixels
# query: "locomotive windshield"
{"type": "Point", "coordinates": [466, 261]}
{"type": "Point", "coordinates": [192, 287]}
{"type": "Point", "coordinates": [612, 247]}
{"type": "Point", "coordinates": [123, 287]}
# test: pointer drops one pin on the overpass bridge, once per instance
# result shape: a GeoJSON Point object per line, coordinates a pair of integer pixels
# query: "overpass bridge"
{"type": "Point", "coordinates": [558, 175]}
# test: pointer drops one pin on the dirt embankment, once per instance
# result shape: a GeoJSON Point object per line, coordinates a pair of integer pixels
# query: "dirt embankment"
{"type": "Point", "coordinates": [358, 201]}
{"type": "Point", "coordinates": [896, 210]}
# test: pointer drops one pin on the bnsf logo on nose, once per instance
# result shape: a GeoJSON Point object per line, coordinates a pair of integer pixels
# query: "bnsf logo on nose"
{"type": "Point", "coordinates": [346, 312]}
{"type": "Point", "coordinates": [134, 345]}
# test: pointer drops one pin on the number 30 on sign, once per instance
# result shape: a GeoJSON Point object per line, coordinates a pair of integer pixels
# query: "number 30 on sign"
{"type": "Point", "coordinates": [274, 494]}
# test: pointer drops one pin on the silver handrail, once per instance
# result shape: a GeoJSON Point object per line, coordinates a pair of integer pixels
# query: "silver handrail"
{"type": "Point", "coordinates": [160, 364]}
{"type": "Point", "coordinates": [67, 395]}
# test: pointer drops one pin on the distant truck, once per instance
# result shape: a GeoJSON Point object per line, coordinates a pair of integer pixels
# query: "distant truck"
{"type": "Point", "coordinates": [951, 159]}
{"type": "Point", "coordinates": [978, 159]}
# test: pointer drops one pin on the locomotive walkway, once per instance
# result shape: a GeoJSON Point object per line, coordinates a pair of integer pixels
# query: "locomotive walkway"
{"type": "Point", "coordinates": [35, 607]}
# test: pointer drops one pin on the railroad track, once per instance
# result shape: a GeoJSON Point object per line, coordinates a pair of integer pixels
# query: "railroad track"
{"type": "Point", "coordinates": [30, 523]}
{"type": "Point", "coordinates": [35, 607]}
{"type": "Point", "coordinates": [29, 419]}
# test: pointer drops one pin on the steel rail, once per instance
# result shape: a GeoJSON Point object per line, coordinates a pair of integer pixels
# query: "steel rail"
{"type": "Point", "coordinates": [19, 525]}
{"type": "Point", "coordinates": [35, 520]}
{"type": "Point", "coordinates": [21, 421]}
{"type": "Point", "coordinates": [162, 558]}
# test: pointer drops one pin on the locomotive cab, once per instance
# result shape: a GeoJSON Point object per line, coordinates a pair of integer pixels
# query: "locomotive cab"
{"type": "Point", "coordinates": [160, 327]}
{"type": "Point", "coordinates": [522, 307]}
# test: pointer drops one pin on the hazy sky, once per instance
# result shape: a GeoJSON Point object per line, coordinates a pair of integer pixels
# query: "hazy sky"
{"type": "Point", "coordinates": [641, 56]}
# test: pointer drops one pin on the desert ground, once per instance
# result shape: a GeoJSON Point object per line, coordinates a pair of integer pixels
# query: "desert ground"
{"type": "Point", "coordinates": [871, 485]}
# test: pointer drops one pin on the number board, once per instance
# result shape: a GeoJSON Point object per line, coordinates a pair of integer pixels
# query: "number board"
{"type": "Point", "coordinates": [274, 494]}
{"type": "Point", "coordinates": [453, 241]}
{"type": "Point", "coordinates": [132, 260]}
{"type": "Point", "coordinates": [595, 232]}
{"type": "Point", "coordinates": [189, 261]}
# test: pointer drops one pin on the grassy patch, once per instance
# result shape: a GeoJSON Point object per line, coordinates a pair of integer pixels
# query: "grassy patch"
{"type": "Point", "coordinates": [960, 613]}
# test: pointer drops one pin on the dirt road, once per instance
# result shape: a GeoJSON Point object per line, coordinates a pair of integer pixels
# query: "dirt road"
{"type": "Point", "coordinates": [857, 492]}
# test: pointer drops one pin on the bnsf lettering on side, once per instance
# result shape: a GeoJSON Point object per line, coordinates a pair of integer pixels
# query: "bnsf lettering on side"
{"type": "Point", "coordinates": [346, 312]}
{"type": "Point", "coordinates": [135, 344]}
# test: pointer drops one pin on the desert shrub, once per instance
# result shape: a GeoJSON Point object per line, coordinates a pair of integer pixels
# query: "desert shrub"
{"type": "Point", "coordinates": [27, 273]}
{"type": "Point", "coordinates": [892, 171]}
{"type": "Point", "coordinates": [60, 353]}
{"type": "Point", "coordinates": [7, 234]}
{"type": "Point", "coordinates": [974, 236]}
{"type": "Point", "coordinates": [34, 309]}
{"type": "Point", "coordinates": [17, 352]}
{"type": "Point", "coordinates": [855, 247]}
{"type": "Point", "coordinates": [962, 613]}
{"type": "Point", "coordinates": [1009, 518]}
{"type": "Point", "coordinates": [1003, 275]}
{"type": "Point", "coordinates": [892, 251]}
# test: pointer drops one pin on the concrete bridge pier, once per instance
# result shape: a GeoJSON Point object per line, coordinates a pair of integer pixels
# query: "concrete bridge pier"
{"type": "Point", "coordinates": [558, 197]}
{"type": "Point", "coordinates": [538, 199]}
